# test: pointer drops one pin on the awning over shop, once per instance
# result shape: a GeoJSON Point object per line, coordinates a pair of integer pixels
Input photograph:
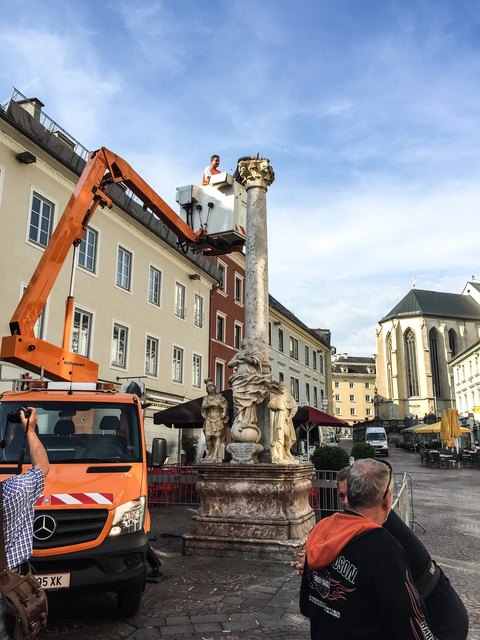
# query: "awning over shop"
{"type": "Point", "coordinates": [313, 416]}
{"type": "Point", "coordinates": [429, 428]}
{"type": "Point", "coordinates": [188, 415]}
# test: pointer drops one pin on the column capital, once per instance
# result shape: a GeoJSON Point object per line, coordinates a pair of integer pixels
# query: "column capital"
{"type": "Point", "coordinates": [256, 172]}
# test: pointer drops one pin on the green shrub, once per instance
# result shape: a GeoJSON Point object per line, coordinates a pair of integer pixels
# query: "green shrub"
{"type": "Point", "coordinates": [363, 450]}
{"type": "Point", "coordinates": [329, 458]}
{"type": "Point", "coordinates": [189, 445]}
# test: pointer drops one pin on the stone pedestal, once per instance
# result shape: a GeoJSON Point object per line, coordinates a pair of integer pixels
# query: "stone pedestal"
{"type": "Point", "coordinates": [252, 511]}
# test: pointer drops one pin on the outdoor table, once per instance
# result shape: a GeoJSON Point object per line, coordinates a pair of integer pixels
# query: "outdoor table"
{"type": "Point", "coordinates": [448, 460]}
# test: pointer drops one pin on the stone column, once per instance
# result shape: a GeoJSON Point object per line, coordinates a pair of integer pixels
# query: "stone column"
{"type": "Point", "coordinates": [257, 176]}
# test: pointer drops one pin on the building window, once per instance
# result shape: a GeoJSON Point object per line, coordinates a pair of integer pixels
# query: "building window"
{"type": "Point", "coordinates": [119, 346]}
{"type": "Point", "coordinates": [352, 397]}
{"type": "Point", "coordinates": [238, 289]}
{"type": "Point", "coordinates": [220, 328]}
{"type": "Point", "coordinates": [177, 365]}
{"type": "Point", "coordinates": [198, 311]}
{"type": "Point", "coordinates": [321, 357]}
{"type": "Point", "coordinates": [295, 388]}
{"type": "Point", "coordinates": [179, 300]}
{"type": "Point", "coordinates": [389, 349]}
{"type": "Point", "coordinates": [223, 276]}
{"type": "Point", "coordinates": [307, 356]}
{"type": "Point", "coordinates": [281, 376]}
{"type": "Point", "coordinates": [453, 342]}
{"type": "Point", "coordinates": [151, 356]}
{"type": "Point", "coordinates": [368, 398]}
{"type": "Point", "coordinates": [338, 397]}
{"type": "Point", "coordinates": [237, 335]}
{"type": "Point", "coordinates": [154, 286]}
{"type": "Point", "coordinates": [433, 341]}
{"type": "Point", "coordinates": [81, 332]}
{"type": "Point", "coordinates": [337, 384]}
{"type": "Point", "coordinates": [315, 397]}
{"type": "Point", "coordinates": [124, 268]}
{"type": "Point", "coordinates": [197, 371]}
{"type": "Point", "coordinates": [351, 385]}
{"type": "Point", "coordinates": [353, 411]}
{"type": "Point", "coordinates": [41, 220]}
{"type": "Point", "coordinates": [338, 411]}
{"type": "Point", "coordinates": [411, 363]}
{"type": "Point", "coordinates": [367, 385]}
{"type": "Point", "coordinates": [294, 348]}
{"type": "Point", "coordinates": [307, 393]}
{"type": "Point", "coordinates": [280, 340]}
{"type": "Point", "coordinates": [87, 250]}
{"type": "Point", "coordinates": [314, 360]}
{"type": "Point", "coordinates": [219, 375]}
{"type": "Point", "coordinates": [368, 412]}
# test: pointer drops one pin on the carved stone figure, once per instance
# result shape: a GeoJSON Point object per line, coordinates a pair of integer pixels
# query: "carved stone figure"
{"type": "Point", "coordinates": [282, 407]}
{"type": "Point", "coordinates": [215, 414]}
{"type": "Point", "coordinates": [250, 387]}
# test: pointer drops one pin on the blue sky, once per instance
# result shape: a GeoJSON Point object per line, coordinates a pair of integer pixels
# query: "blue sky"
{"type": "Point", "coordinates": [369, 111]}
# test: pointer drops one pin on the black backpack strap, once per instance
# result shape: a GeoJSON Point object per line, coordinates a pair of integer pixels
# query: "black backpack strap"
{"type": "Point", "coordinates": [3, 557]}
{"type": "Point", "coordinates": [427, 582]}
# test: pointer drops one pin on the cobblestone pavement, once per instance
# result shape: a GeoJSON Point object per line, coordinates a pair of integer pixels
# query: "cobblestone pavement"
{"type": "Point", "coordinates": [214, 599]}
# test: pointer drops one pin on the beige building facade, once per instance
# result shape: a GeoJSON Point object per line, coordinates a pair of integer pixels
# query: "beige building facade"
{"type": "Point", "coordinates": [141, 305]}
{"type": "Point", "coordinates": [300, 357]}
{"type": "Point", "coordinates": [353, 387]}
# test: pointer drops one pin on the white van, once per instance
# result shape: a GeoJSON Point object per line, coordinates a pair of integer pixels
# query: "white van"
{"type": "Point", "coordinates": [377, 437]}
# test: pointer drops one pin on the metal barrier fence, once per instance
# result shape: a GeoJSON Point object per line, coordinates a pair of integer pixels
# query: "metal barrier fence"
{"type": "Point", "coordinates": [176, 484]}
{"type": "Point", "coordinates": [403, 494]}
{"type": "Point", "coordinates": [324, 500]}
{"type": "Point", "coordinates": [172, 484]}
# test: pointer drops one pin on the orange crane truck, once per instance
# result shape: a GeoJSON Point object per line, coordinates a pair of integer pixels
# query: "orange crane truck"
{"type": "Point", "coordinates": [92, 522]}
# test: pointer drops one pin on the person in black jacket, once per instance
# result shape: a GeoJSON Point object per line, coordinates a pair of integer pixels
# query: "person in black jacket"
{"type": "Point", "coordinates": [446, 612]}
{"type": "Point", "coordinates": [356, 582]}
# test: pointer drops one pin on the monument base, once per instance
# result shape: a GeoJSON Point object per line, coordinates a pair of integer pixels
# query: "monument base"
{"type": "Point", "coordinates": [252, 511]}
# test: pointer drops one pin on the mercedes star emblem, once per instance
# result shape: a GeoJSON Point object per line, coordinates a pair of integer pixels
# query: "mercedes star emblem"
{"type": "Point", "coordinates": [43, 527]}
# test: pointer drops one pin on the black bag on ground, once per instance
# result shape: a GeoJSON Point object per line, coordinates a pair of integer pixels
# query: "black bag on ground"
{"type": "Point", "coordinates": [26, 601]}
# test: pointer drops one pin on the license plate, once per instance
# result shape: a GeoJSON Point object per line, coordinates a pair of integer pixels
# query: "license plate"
{"type": "Point", "coordinates": [54, 580]}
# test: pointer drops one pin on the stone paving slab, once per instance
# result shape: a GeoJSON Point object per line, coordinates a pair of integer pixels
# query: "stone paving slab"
{"type": "Point", "coordinates": [233, 599]}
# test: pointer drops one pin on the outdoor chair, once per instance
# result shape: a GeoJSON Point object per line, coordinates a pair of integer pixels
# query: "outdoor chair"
{"type": "Point", "coordinates": [423, 456]}
{"type": "Point", "coordinates": [475, 460]}
{"type": "Point", "coordinates": [435, 459]}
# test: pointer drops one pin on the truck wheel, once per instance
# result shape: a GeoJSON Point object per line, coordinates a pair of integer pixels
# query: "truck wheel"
{"type": "Point", "coordinates": [129, 599]}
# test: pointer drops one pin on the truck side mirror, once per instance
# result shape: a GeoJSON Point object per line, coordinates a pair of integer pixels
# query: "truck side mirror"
{"type": "Point", "coordinates": [159, 452]}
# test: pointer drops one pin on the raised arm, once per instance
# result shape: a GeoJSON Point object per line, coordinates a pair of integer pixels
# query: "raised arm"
{"type": "Point", "coordinates": [38, 454]}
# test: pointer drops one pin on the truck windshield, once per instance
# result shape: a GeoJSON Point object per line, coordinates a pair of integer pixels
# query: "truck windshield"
{"type": "Point", "coordinates": [99, 432]}
{"type": "Point", "coordinates": [376, 436]}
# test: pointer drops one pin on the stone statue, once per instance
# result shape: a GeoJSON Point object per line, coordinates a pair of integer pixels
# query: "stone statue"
{"type": "Point", "coordinates": [250, 387]}
{"type": "Point", "coordinates": [215, 414]}
{"type": "Point", "coordinates": [282, 407]}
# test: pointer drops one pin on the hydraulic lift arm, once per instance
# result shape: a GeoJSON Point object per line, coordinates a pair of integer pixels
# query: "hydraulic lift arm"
{"type": "Point", "coordinates": [102, 169]}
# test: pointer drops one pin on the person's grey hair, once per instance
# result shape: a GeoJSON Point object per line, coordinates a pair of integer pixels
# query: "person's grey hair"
{"type": "Point", "coordinates": [366, 483]}
{"type": "Point", "coordinates": [342, 474]}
